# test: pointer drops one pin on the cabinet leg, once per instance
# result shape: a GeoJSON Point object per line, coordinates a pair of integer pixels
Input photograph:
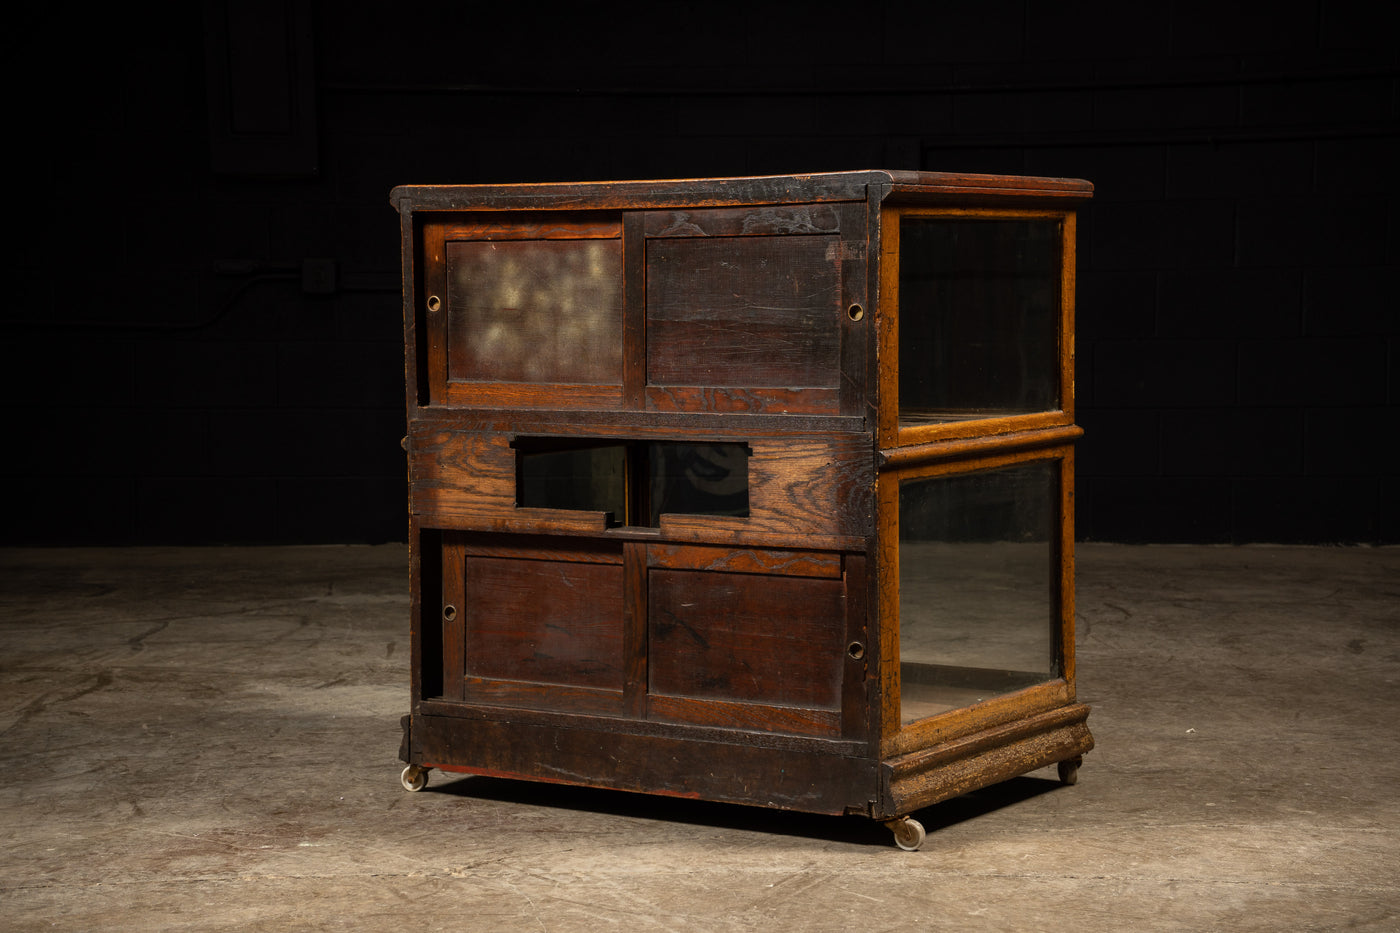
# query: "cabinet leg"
{"type": "Point", "coordinates": [414, 778]}
{"type": "Point", "coordinates": [1069, 770]}
{"type": "Point", "coordinates": [908, 833]}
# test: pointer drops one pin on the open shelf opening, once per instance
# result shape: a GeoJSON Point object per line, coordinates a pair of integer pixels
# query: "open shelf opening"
{"type": "Point", "coordinates": [634, 481]}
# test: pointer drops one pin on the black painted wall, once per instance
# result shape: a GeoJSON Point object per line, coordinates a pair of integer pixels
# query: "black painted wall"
{"type": "Point", "coordinates": [202, 339]}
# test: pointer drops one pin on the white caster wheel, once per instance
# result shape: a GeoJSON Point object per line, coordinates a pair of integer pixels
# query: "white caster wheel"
{"type": "Point", "coordinates": [908, 834]}
{"type": "Point", "coordinates": [414, 778]}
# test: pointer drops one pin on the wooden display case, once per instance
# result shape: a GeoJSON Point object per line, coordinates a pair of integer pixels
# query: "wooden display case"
{"type": "Point", "coordinates": [755, 490]}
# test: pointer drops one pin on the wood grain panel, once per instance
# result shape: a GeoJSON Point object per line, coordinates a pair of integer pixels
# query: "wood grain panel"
{"type": "Point", "coordinates": [816, 781]}
{"type": "Point", "coordinates": [743, 311]}
{"type": "Point", "coordinates": [746, 638]}
{"type": "Point", "coordinates": [801, 485]}
{"type": "Point", "coordinates": [825, 564]}
{"type": "Point", "coordinates": [555, 622]}
{"type": "Point", "coordinates": [538, 225]}
{"type": "Point", "coordinates": [733, 400]}
{"type": "Point", "coordinates": [782, 220]}
{"type": "Point", "coordinates": [727, 715]}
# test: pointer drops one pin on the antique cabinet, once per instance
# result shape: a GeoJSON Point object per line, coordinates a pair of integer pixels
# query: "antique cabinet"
{"type": "Point", "coordinates": [755, 490]}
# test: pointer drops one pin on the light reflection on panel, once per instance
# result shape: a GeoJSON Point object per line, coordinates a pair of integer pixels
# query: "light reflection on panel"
{"type": "Point", "coordinates": [976, 586]}
{"type": "Point", "coordinates": [535, 311]}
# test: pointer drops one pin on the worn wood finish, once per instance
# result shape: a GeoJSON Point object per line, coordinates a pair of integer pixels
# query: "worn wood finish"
{"type": "Point", "coordinates": [726, 560]}
{"type": "Point", "coordinates": [675, 765]}
{"type": "Point", "coordinates": [740, 400]}
{"type": "Point", "coordinates": [746, 646]}
{"type": "Point", "coordinates": [543, 621]}
{"type": "Point", "coordinates": [788, 220]}
{"type": "Point", "coordinates": [746, 637]}
{"type": "Point", "coordinates": [754, 717]}
{"type": "Point", "coordinates": [668, 194]}
{"type": "Point", "coordinates": [925, 777]}
{"type": "Point", "coordinates": [798, 486]}
{"type": "Point", "coordinates": [743, 311]}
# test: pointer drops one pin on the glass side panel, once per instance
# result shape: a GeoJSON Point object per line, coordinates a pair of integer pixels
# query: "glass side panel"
{"type": "Point", "coordinates": [979, 313]}
{"type": "Point", "coordinates": [541, 311]}
{"type": "Point", "coordinates": [977, 594]}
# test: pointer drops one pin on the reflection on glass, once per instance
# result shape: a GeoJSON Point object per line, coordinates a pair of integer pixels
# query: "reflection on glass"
{"type": "Point", "coordinates": [636, 482]}
{"type": "Point", "coordinates": [698, 479]}
{"type": "Point", "coordinates": [542, 311]}
{"type": "Point", "coordinates": [582, 476]}
{"type": "Point", "coordinates": [979, 309]}
{"type": "Point", "coordinates": [977, 605]}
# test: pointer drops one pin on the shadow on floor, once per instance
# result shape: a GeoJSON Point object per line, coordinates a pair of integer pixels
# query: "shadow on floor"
{"type": "Point", "coordinates": [852, 831]}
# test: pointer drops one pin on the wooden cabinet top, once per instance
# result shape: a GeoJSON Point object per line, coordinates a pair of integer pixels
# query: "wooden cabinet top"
{"type": "Point", "coordinates": [877, 185]}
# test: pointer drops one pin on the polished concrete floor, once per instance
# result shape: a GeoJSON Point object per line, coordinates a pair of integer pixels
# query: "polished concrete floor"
{"type": "Point", "coordinates": [206, 739]}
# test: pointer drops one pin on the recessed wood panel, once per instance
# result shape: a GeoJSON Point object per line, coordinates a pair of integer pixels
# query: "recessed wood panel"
{"type": "Point", "coordinates": [543, 621]}
{"type": "Point", "coordinates": [746, 637]}
{"type": "Point", "coordinates": [743, 311]}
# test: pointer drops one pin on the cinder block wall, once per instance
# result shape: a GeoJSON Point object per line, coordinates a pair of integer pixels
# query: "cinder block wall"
{"type": "Point", "coordinates": [179, 369]}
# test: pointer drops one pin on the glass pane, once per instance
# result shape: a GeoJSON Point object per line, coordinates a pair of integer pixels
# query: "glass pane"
{"type": "Point", "coordinates": [979, 312]}
{"type": "Point", "coordinates": [572, 475]}
{"type": "Point", "coordinates": [977, 596]}
{"type": "Point", "coordinates": [698, 479]}
{"type": "Point", "coordinates": [635, 481]}
{"type": "Point", "coordinates": [542, 311]}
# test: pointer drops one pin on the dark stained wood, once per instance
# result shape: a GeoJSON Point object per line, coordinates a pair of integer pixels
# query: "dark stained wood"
{"type": "Point", "coordinates": [627, 725]}
{"type": "Point", "coordinates": [746, 638]}
{"type": "Point", "coordinates": [539, 547]}
{"type": "Point", "coordinates": [732, 400]}
{"type": "Point", "coordinates": [858, 318]}
{"type": "Point", "coordinates": [787, 220]}
{"type": "Point", "coordinates": [812, 781]}
{"type": "Point", "coordinates": [518, 695]}
{"type": "Point", "coordinates": [451, 614]}
{"type": "Point", "coordinates": [751, 657]}
{"type": "Point", "coordinates": [430, 301]}
{"type": "Point", "coordinates": [543, 621]}
{"type": "Point", "coordinates": [635, 597]}
{"type": "Point", "coordinates": [736, 715]}
{"type": "Point", "coordinates": [634, 312]}
{"type": "Point", "coordinates": [637, 424]}
{"type": "Point", "coordinates": [535, 225]}
{"type": "Point", "coordinates": [948, 187]}
{"type": "Point", "coordinates": [743, 311]}
{"type": "Point", "coordinates": [728, 560]}
{"type": "Point", "coordinates": [858, 679]}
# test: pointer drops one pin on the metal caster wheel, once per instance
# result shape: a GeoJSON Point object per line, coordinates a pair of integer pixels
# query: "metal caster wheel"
{"type": "Point", "coordinates": [1069, 771]}
{"type": "Point", "coordinates": [908, 834]}
{"type": "Point", "coordinates": [414, 778]}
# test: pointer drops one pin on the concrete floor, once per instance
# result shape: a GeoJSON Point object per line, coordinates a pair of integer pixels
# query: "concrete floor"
{"type": "Point", "coordinates": [206, 740]}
